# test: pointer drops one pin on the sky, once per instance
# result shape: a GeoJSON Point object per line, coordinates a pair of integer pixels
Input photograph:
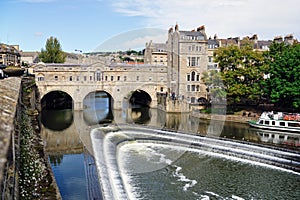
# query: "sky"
{"type": "Point", "coordinates": [111, 25]}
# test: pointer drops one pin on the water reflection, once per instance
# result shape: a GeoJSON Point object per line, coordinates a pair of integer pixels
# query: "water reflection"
{"type": "Point", "coordinates": [280, 138]}
{"type": "Point", "coordinates": [97, 108]}
{"type": "Point", "coordinates": [57, 120]}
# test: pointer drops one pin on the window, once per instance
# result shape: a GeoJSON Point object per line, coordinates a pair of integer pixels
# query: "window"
{"type": "Point", "coordinates": [193, 76]}
{"type": "Point", "coordinates": [209, 58]}
{"type": "Point", "coordinates": [188, 77]}
{"type": "Point", "coordinates": [273, 123]}
{"type": "Point", "coordinates": [91, 78]}
{"type": "Point", "coordinates": [267, 122]}
{"type": "Point", "coordinates": [84, 78]}
{"type": "Point", "coordinates": [292, 124]}
{"type": "Point", "coordinates": [193, 61]}
{"type": "Point", "coordinates": [106, 78]}
{"type": "Point", "coordinates": [41, 78]}
{"type": "Point", "coordinates": [118, 78]}
{"type": "Point", "coordinates": [70, 78]}
{"type": "Point", "coordinates": [56, 78]}
{"type": "Point", "coordinates": [125, 78]}
{"type": "Point", "coordinates": [161, 89]}
{"type": "Point", "coordinates": [193, 88]}
{"type": "Point", "coordinates": [197, 88]}
{"type": "Point", "coordinates": [77, 78]}
{"type": "Point", "coordinates": [281, 123]}
{"type": "Point", "coordinates": [112, 78]}
{"type": "Point", "coordinates": [137, 78]}
{"type": "Point", "coordinates": [188, 88]}
{"type": "Point", "coordinates": [197, 77]}
{"type": "Point", "coordinates": [98, 76]}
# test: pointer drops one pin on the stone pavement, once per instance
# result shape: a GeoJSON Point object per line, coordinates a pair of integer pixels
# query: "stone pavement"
{"type": "Point", "coordinates": [9, 94]}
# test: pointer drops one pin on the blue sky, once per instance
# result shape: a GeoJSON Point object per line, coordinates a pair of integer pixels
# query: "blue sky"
{"type": "Point", "coordinates": [94, 24]}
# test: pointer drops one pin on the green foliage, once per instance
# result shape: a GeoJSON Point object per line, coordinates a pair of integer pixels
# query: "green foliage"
{"type": "Point", "coordinates": [53, 52]}
{"type": "Point", "coordinates": [241, 71]}
{"type": "Point", "coordinates": [213, 81]}
{"type": "Point", "coordinates": [283, 86]}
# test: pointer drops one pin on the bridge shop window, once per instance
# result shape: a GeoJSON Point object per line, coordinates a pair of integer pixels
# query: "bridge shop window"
{"type": "Point", "coordinates": [40, 78]}
{"type": "Point", "coordinates": [98, 76]}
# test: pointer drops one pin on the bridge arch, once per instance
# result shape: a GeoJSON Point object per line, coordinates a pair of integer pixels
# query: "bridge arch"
{"type": "Point", "coordinates": [140, 97]}
{"type": "Point", "coordinates": [97, 107]}
{"type": "Point", "coordinates": [57, 99]}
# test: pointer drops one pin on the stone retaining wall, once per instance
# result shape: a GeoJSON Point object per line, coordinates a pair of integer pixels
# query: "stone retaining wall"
{"type": "Point", "coordinates": [9, 95]}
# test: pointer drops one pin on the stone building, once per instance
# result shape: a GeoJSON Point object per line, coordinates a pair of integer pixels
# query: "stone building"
{"type": "Point", "coordinates": [187, 60]}
{"type": "Point", "coordinates": [213, 44]}
{"type": "Point", "coordinates": [9, 55]}
{"type": "Point", "coordinates": [156, 53]}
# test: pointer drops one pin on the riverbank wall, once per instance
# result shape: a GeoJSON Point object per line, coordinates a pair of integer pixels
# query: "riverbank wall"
{"type": "Point", "coordinates": [24, 169]}
{"type": "Point", "coordinates": [241, 117]}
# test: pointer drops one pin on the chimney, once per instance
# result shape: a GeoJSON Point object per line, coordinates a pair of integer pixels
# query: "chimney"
{"type": "Point", "coordinates": [215, 37]}
{"type": "Point", "coordinates": [176, 27]}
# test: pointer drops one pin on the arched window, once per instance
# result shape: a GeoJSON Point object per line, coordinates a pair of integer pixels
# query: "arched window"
{"type": "Point", "coordinates": [193, 76]}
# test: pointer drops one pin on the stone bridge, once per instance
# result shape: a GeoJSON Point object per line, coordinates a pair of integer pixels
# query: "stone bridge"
{"type": "Point", "coordinates": [118, 80]}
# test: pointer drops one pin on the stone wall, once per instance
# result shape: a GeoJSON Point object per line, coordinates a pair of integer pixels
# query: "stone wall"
{"type": "Point", "coordinates": [9, 95]}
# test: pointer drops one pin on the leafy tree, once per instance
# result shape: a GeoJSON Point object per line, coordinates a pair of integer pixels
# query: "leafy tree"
{"type": "Point", "coordinates": [53, 52]}
{"type": "Point", "coordinates": [241, 71]}
{"type": "Point", "coordinates": [283, 85]}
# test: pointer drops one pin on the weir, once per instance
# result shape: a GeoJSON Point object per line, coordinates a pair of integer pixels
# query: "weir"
{"type": "Point", "coordinates": [107, 141]}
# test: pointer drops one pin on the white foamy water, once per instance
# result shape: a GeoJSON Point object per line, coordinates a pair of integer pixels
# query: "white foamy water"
{"type": "Point", "coordinates": [129, 163]}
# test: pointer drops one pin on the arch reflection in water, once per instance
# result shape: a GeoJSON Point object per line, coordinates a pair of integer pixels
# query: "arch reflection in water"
{"type": "Point", "coordinates": [97, 108]}
{"type": "Point", "coordinates": [57, 120]}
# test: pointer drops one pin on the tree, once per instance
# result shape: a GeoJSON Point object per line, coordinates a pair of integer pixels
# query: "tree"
{"type": "Point", "coordinates": [241, 71]}
{"type": "Point", "coordinates": [283, 85]}
{"type": "Point", "coordinates": [53, 52]}
{"type": "Point", "coordinates": [214, 83]}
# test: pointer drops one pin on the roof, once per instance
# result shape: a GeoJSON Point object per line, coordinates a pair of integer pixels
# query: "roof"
{"type": "Point", "coordinates": [5, 48]}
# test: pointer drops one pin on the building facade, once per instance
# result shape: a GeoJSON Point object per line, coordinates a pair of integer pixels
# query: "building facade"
{"type": "Point", "coordinates": [156, 53]}
{"type": "Point", "coordinates": [187, 60]}
{"type": "Point", "coordinates": [9, 55]}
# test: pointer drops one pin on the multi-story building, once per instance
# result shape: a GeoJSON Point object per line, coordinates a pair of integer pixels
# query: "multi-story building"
{"type": "Point", "coordinates": [187, 60]}
{"type": "Point", "coordinates": [213, 44]}
{"type": "Point", "coordinates": [9, 55]}
{"type": "Point", "coordinates": [156, 53]}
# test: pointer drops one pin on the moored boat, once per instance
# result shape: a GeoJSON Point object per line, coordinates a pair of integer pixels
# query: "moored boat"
{"type": "Point", "coordinates": [278, 122]}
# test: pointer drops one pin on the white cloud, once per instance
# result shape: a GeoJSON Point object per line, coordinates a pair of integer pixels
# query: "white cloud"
{"type": "Point", "coordinates": [38, 34]}
{"type": "Point", "coordinates": [227, 18]}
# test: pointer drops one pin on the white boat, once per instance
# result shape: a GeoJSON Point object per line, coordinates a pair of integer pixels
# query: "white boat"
{"type": "Point", "coordinates": [278, 122]}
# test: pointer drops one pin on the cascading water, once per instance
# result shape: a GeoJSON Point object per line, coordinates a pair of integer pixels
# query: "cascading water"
{"type": "Point", "coordinates": [146, 163]}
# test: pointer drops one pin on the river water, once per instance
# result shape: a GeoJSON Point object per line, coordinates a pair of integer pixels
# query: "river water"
{"type": "Point", "coordinates": [194, 174]}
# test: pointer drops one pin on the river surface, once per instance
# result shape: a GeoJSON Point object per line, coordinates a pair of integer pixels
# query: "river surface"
{"type": "Point", "coordinates": [194, 174]}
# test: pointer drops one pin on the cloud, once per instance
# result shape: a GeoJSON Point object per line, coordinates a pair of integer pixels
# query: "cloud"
{"type": "Point", "coordinates": [38, 34]}
{"type": "Point", "coordinates": [226, 18]}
